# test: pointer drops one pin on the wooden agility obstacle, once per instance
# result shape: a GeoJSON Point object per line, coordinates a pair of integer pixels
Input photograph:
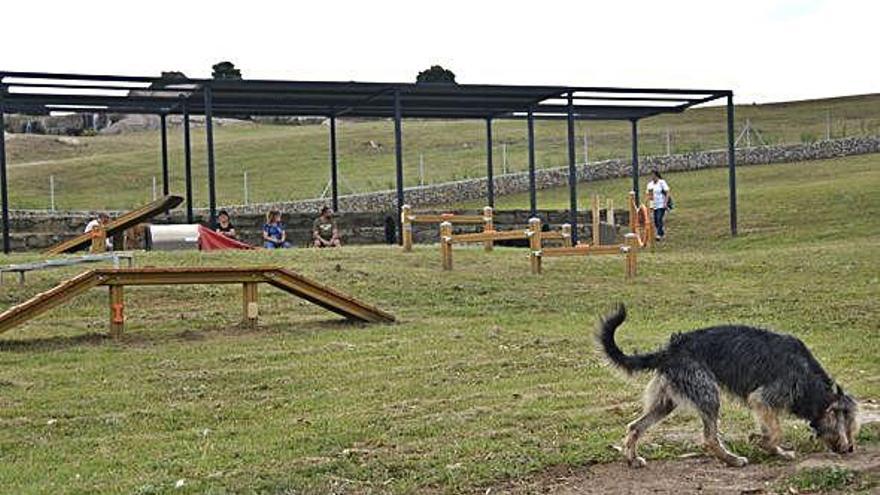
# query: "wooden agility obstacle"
{"type": "Point", "coordinates": [537, 251]}
{"type": "Point", "coordinates": [96, 238]}
{"type": "Point", "coordinates": [408, 218]}
{"type": "Point", "coordinates": [249, 277]}
{"type": "Point", "coordinates": [641, 222]}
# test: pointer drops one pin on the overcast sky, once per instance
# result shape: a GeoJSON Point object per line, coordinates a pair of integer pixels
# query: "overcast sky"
{"type": "Point", "coordinates": [765, 50]}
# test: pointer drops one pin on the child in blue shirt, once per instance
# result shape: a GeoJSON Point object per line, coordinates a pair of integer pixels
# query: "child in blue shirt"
{"type": "Point", "coordinates": [274, 236]}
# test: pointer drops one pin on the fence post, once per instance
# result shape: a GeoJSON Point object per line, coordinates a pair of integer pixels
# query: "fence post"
{"type": "Point", "coordinates": [596, 220]}
{"type": "Point", "coordinates": [245, 188]}
{"type": "Point", "coordinates": [535, 245]}
{"type": "Point", "coordinates": [421, 169]}
{"type": "Point", "coordinates": [446, 245]}
{"type": "Point", "coordinates": [488, 226]}
{"type": "Point", "coordinates": [406, 226]}
{"type": "Point", "coordinates": [154, 188]}
{"type": "Point", "coordinates": [52, 193]}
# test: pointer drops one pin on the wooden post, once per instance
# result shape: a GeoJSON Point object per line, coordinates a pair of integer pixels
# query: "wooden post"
{"type": "Point", "coordinates": [609, 212]}
{"type": "Point", "coordinates": [632, 245]}
{"type": "Point", "coordinates": [250, 310]}
{"type": "Point", "coordinates": [535, 244]}
{"type": "Point", "coordinates": [446, 245]}
{"type": "Point", "coordinates": [488, 226]}
{"type": "Point", "coordinates": [633, 213]}
{"type": "Point", "coordinates": [566, 234]}
{"type": "Point", "coordinates": [99, 240]}
{"type": "Point", "coordinates": [117, 311]}
{"type": "Point", "coordinates": [406, 226]}
{"type": "Point", "coordinates": [649, 229]}
{"type": "Point", "coordinates": [596, 221]}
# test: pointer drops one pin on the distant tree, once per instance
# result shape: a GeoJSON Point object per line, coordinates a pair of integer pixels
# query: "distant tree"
{"type": "Point", "coordinates": [225, 70]}
{"type": "Point", "coordinates": [436, 74]}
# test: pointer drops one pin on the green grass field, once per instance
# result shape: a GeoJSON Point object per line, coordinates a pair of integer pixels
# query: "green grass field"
{"type": "Point", "coordinates": [490, 375]}
{"type": "Point", "coordinates": [291, 162]}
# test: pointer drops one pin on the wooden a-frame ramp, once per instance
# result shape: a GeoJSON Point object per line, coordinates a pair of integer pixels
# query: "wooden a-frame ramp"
{"type": "Point", "coordinates": [249, 277]}
{"type": "Point", "coordinates": [125, 221]}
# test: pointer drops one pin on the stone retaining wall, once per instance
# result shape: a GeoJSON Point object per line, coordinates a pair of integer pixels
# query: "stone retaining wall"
{"type": "Point", "coordinates": [475, 189]}
{"type": "Point", "coordinates": [39, 231]}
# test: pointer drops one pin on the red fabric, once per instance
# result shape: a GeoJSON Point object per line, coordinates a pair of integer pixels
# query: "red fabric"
{"type": "Point", "coordinates": [210, 240]}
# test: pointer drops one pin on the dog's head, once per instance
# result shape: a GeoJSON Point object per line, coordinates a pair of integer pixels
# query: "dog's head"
{"type": "Point", "coordinates": [838, 424]}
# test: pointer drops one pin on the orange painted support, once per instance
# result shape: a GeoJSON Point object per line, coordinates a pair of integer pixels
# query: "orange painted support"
{"type": "Point", "coordinates": [406, 225]}
{"type": "Point", "coordinates": [117, 311]}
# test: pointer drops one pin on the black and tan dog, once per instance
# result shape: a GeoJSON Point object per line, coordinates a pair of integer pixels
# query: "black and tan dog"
{"type": "Point", "coordinates": [772, 373]}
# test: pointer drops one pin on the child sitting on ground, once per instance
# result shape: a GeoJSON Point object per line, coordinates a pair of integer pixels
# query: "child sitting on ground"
{"type": "Point", "coordinates": [274, 236]}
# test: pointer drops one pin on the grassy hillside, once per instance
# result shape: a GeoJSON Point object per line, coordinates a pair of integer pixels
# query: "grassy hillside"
{"type": "Point", "coordinates": [490, 373]}
{"type": "Point", "coordinates": [286, 163]}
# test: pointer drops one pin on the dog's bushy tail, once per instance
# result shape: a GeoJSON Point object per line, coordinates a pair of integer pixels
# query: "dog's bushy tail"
{"type": "Point", "coordinates": [630, 364]}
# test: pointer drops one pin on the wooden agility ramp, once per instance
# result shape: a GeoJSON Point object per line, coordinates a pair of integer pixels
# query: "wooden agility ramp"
{"type": "Point", "coordinates": [249, 277]}
{"type": "Point", "coordinates": [125, 221]}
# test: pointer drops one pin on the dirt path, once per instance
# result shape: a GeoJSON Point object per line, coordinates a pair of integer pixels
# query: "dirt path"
{"type": "Point", "coordinates": [694, 475]}
{"type": "Point", "coordinates": [698, 474]}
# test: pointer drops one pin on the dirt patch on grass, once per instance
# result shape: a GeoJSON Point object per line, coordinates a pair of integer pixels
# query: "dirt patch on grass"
{"type": "Point", "coordinates": [697, 475]}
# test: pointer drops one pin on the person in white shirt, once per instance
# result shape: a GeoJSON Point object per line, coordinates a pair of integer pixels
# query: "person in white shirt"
{"type": "Point", "coordinates": [658, 195]}
{"type": "Point", "coordinates": [102, 220]}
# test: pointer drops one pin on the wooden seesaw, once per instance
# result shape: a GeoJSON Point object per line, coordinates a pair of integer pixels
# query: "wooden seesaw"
{"type": "Point", "coordinates": [248, 277]}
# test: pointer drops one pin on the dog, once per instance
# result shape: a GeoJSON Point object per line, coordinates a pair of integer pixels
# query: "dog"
{"type": "Point", "coordinates": [771, 372]}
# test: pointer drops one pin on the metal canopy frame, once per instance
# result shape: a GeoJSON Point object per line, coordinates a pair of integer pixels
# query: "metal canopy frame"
{"type": "Point", "coordinates": [43, 93]}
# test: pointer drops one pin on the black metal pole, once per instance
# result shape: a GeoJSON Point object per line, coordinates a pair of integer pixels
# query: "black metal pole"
{"type": "Point", "coordinates": [572, 174]}
{"type": "Point", "coordinates": [731, 164]}
{"type": "Point", "coordinates": [187, 164]}
{"type": "Point", "coordinates": [164, 129]}
{"type": "Point", "coordinates": [490, 172]}
{"type": "Point", "coordinates": [635, 157]}
{"type": "Point", "coordinates": [334, 189]}
{"type": "Point", "coordinates": [533, 196]}
{"type": "Point", "coordinates": [209, 139]}
{"type": "Point", "coordinates": [398, 160]}
{"type": "Point", "coordinates": [4, 193]}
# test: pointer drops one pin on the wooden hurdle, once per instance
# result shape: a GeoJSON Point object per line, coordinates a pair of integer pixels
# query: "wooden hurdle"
{"type": "Point", "coordinates": [596, 217]}
{"type": "Point", "coordinates": [408, 218]}
{"type": "Point", "coordinates": [488, 237]}
{"type": "Point", "coordinates": [641, 222]}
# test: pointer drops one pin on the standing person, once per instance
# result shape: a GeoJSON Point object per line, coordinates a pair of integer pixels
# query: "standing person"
{"type": "Point", "coordinates": [658, 194]}
{"type": "Point", "coordinates": [102, 221]}
{"type": "Point", "coordinates": [224, 225]}
{"type": "Point", "coordinates": [274, 236]}
{"type": "Point", "coordinates": [324, 231]}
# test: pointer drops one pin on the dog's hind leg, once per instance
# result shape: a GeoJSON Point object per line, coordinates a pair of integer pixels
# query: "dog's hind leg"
{"type": "Point", "coordinates": [658, 405]}
{"type": "Point", "coordinates": [768, 420]}
{"type": "Point", "coordinates": [695, 383]}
